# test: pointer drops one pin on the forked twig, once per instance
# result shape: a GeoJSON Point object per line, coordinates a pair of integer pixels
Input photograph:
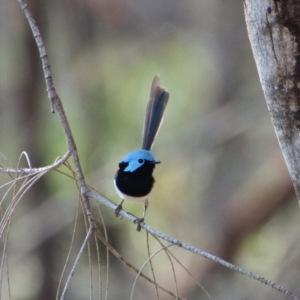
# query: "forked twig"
{"type": "Point", "coordinates": [58, 162]}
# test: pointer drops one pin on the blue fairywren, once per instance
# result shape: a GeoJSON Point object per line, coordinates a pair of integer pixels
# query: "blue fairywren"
{"type": "Point", "coordinates": [133, 180]}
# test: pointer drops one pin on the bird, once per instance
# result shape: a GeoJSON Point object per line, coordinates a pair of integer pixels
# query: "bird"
{"type": "Point", "coordinates": [134, 180]}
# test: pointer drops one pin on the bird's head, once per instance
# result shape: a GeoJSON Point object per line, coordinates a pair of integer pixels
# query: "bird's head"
{"type": "Point", "coordinates": [137, 159]}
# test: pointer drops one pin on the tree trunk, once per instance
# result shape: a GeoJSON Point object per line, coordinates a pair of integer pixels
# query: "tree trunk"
{"type": "Point", "coordinates": [274, 33]}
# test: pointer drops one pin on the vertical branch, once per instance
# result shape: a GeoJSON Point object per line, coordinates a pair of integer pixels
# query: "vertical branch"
{"type": "Point", "coordinates": [42, 50]}
{"type": "Point", "coordinates": [274, 33]}
{"type": "Point", "coordinates": [57, 104]}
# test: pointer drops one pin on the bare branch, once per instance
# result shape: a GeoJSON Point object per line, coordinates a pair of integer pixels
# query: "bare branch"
{"type": "Point", "coordinates": [58, 162]}
{"type": "Point", "coordinates": [190, 248]}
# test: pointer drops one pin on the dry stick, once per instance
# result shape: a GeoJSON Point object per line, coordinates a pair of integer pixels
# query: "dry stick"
{"type": "Point", "coordinates": [107, 253]}
{"type": "Point", "coordinates": [151, 266]}
{"type": "Point", "coordinates": [99, 267]}
{"type": "Point", "coordinates": [89, 234]}
{"type": "Point", "coordinates": [58, 162]}
{"type": "Point", "coordinates": [122, 259]}
{"type": "Point", "coordinates": [171, 255]}
{"type": "Point", "coordinates": [143, 266]}
{"type": "Point", "coordinates": [195, 250]}
{"type": "Point", "coordinates": [16, 199]}
{"type": "Point", "coordinates": [4, 260]}
{"type": "Point", "coordinates": [69, 253]}
{"type": "Point", "coordinates": [57, 104]}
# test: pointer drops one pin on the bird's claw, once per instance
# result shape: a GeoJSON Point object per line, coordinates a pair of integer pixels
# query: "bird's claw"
{"type": "Point", "coordinates": [117, 210]}
{"type": "Point", "coordinates": [138, 221]}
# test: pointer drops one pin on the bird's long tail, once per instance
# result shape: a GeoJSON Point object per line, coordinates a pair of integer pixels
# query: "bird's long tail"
{"type": "Point", "coordinates": [155, 111]}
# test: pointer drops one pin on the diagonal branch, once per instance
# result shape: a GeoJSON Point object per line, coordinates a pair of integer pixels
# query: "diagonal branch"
{"type": "Point", "coordinates": [192, 249]}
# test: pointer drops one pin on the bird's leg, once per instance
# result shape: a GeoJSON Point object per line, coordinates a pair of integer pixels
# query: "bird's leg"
{"type": "Point", "coordinates": [138, 221]}
{"type": "Point", "coordinates": [118, 208]}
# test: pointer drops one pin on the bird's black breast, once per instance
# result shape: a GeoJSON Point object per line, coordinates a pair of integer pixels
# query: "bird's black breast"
{"type": "Point", "coordinates": [137, 183]}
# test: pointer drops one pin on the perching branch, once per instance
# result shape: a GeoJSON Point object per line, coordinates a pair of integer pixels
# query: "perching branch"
{"type": "Point", "coordinates": [274, 33]}
{"type": "Point", "coordinates": [192, 249]}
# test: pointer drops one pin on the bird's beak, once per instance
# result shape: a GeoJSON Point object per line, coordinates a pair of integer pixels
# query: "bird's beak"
{"type": "Point", "coordinates": [157, 162]}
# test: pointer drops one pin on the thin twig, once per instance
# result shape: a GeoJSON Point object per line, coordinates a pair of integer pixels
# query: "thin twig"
{"type": "Point", "coordinates": [142, 267]}
{"type": "Point", "coordinates": [16, 199]}
{"type": "Point", "coordinates": [171, 255]}
{"type": "Point", "coordinates": [121, 259]}
{"type": "Point", "coordinates": [151, 265]}
{"type": "Point", "coordinates": [58, 162]}
{"type": "Point", "coordinates": [76, 263]}
{"type": "Point", "coordinates": [107, 254]}
{"type": "Point", "coordinates": [69, 253]}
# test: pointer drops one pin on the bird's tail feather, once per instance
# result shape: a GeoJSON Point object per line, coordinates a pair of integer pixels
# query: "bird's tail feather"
{"type": "Point", "coordinates": [155, 111]}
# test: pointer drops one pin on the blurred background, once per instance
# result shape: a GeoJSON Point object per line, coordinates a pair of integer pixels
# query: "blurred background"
{"type": "Point", "coordinates": [222, 186]}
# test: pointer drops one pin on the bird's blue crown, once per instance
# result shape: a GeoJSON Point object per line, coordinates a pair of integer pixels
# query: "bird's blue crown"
{"type": "Point", "coordinates": [136, 159]}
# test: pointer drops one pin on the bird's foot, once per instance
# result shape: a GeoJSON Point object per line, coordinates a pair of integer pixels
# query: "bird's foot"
{"type": "Point", "coordinates": [117, 210]}
{"type": "Point", "coordinates": [138, 221]}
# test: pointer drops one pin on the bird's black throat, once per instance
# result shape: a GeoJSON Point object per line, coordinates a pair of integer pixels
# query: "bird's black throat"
{"type": "Point", "coordinates": [137, 183]}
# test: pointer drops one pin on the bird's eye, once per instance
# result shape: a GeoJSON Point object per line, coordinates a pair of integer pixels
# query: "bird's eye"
{"type": "Point", "coordinates": [140, 160]}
